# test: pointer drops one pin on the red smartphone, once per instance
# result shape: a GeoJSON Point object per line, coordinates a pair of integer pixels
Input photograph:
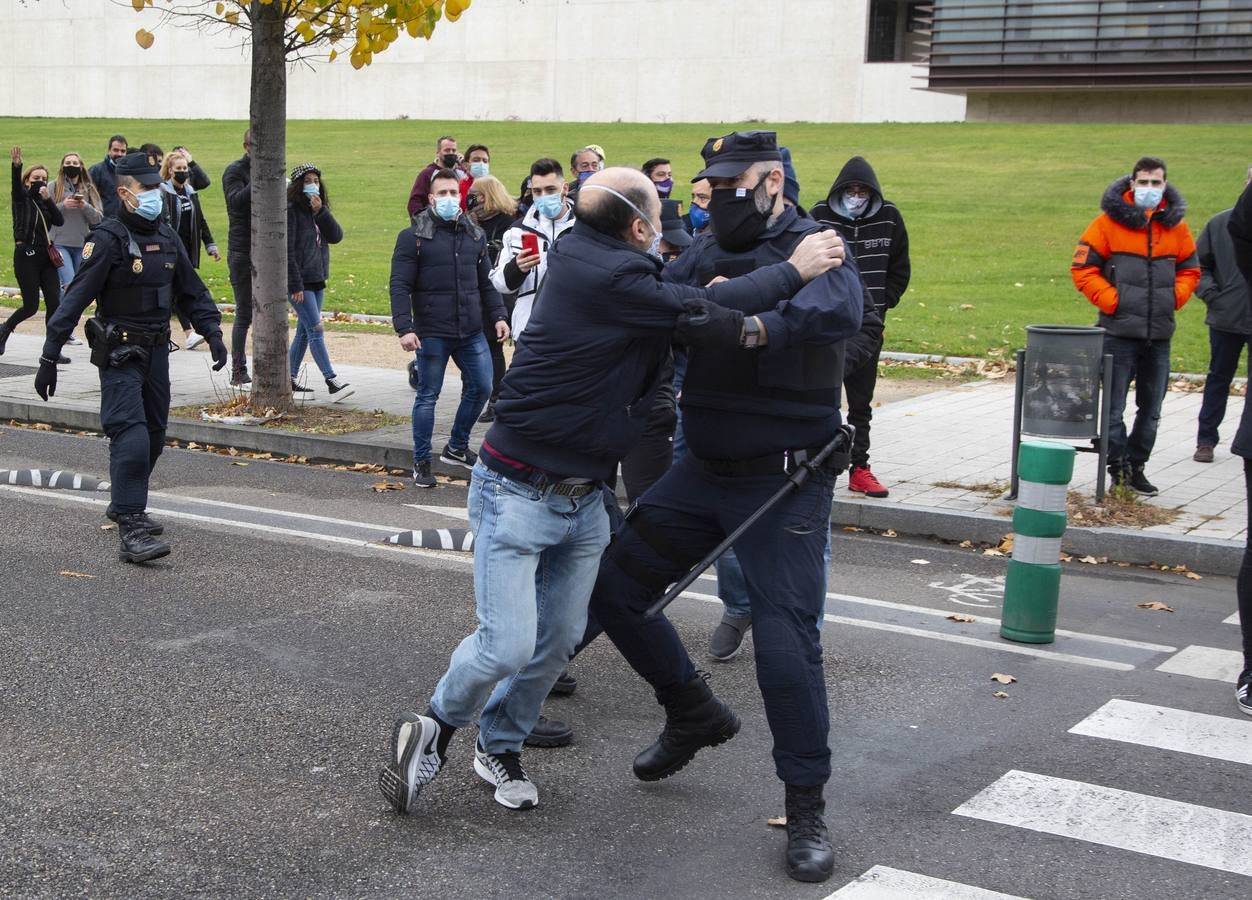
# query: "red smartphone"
{"type": "Point", "coordinates": [530, 243]}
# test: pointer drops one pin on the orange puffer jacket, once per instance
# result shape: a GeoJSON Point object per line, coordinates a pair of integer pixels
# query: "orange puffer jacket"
{"type": "Point", "coordinates": [1137, 268]}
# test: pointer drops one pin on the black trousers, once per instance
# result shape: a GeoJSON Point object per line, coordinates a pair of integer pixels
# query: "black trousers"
{"type": "Point", "coordinates": [652, 454]}
{"type": "Point", "coordinates": [1244, 584]}
{"type": "Point", "coordinates": [496, 346]}
{"type": "Point", "coordinates": [240, 268]}
{"type": "Point", "coordinates": [35, 273]}
{"type": "Point", "coordinates": [859, 386]}
{"type": "Point", "coordinates": [134, 410]}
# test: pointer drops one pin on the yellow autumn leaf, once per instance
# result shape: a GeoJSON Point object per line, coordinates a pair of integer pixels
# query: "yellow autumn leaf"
{"type": "Point", "coordinates": [138, 5]}
{"type": "Point", "coordinates": [144, 38]}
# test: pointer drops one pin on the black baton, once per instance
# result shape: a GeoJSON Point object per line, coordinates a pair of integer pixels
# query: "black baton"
{"type": "Point", "coordinates": [841, 440]}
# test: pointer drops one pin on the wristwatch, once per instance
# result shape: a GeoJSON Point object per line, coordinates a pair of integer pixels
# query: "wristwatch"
{"type": "Point", "coordinates": [750, 336]}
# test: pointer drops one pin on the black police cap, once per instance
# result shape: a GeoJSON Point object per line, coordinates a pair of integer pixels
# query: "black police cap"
{"type": "Point", "coordinates": [730, 155]}
{"type": "Point", "coordinates": [140, 166]}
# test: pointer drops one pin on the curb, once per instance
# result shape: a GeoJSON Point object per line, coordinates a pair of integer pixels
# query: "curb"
{"type": "Point", "coordinates": [1207, 555]}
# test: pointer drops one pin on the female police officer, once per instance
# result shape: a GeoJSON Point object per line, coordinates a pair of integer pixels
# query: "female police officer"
{"type": "Point", "coordinates": [136, 270]}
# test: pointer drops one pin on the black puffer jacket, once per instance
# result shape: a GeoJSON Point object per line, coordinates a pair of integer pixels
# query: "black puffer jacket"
{"type": "Point", "coordinates": [877, 238]}
{"type": "Point", "coordinates": [309, 238]}
{"type": "Point", "coordinates": [27, 226]}
{"type": "Point", "coordinates": [441, 279]}
{"type": "Point", "coordinates": [237, 189]}
{"type": "Point", "coordinates": [1240, 227]}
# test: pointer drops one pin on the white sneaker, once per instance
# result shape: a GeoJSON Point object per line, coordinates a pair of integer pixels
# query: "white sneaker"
{"type": "Point", "coordinates": [504, 770]}
{"type": "Point", "coordinates": [194, 340]}
{"type": "Point", "coordinates": [74, 342]}
{"type": "Point", "coordinates": [415, 761]}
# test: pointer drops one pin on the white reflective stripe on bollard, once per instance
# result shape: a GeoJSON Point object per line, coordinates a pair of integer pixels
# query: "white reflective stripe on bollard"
{"type": "Point", "coordinates": [1043, 497]}
{"type": "Point", "coordinates": [1036, 550]}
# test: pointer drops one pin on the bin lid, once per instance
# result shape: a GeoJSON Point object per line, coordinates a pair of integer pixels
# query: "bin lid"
{"type": "Point", "coordinates": [1064, 329]}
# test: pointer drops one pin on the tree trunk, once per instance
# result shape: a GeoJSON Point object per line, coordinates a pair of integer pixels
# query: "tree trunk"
{"type": "Point", "coordinates": [271, 380]}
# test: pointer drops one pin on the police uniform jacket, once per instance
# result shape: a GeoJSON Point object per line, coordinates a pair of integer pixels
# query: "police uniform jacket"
{"type": "Point", "coordinates": [740, 404]}
{"type": "Point", "coordinates": [139, 271]}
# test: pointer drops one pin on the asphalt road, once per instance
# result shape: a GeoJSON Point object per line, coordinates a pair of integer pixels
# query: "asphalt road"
{"type": "Point", "coordinates": [212, 724]}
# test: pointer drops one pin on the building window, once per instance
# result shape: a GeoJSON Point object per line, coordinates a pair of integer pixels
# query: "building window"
{"type": "Point", "coordinates": [895, 30]}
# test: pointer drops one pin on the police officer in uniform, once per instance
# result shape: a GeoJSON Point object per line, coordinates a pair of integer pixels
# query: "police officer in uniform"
{"type": "Point", "coordinates": [760, 396]}
{"type": "Point", "coordinates": [136, 269]}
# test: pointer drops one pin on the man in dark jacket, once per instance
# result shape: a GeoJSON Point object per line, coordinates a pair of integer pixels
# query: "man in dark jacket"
{"type": "Point", "coordinates": [874, 229]}
{"type": "Point", "coordinates": [237, 188]}
{"type": "Point", "coordinates": [441, 293]}
{"type": "Point", "coordinates": [102, 173]}
{"type": "Point", "coordinates": [1136, 262]}
{"type": "Point", "coordinates": [1239, 226]}
{"type": "Point", "coordinates": [1225, 293]}
{"type": "Point", "coordinates": [577, 395]}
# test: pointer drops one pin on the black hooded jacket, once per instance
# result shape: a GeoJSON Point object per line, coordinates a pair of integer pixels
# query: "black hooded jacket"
{"type": "Point", "coordinates": [877, 238]}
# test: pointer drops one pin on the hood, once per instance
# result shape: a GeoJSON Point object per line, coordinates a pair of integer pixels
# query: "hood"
{"type": "Point", "coordinates": [167, 187]}
{"type": "Point", "coordinates": [855, 169]}
{"type": "Point", "coordinates": [1124, 212]}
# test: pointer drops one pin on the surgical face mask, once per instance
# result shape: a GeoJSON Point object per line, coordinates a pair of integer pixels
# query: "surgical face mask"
{"type": "Point", "coordinates": [446, 208]}
{"type": "Point", "coordinates": [148, 204]}
{"type": "Point", "coordinates": [737, 217]}
{"type": "Point", "coordinates": [583, 176]}
{"type": "Point", "coordinates": [448, 160]}
{"type": "Point", "coordinates": [479, 169]}
{"type": "Point", "coordinates": [699, 217]}
{"type": "Point", "coordinates": [854, 204]}
{"type": "Point", "coordinates": [664, 187]}
{"type": "Point", "coordinates": [550, 205]}
{"type": "Point", "coordinates": [311, 190]}
{"type": "Point", "coordinates": [181, 177]}
{"type": "Point", "coordinates": [1148, 197]}
{"type": "Point", "coordinates": [654, 248]}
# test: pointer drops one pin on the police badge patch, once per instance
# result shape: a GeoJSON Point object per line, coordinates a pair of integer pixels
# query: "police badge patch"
{"type": "Point", "coordinates": [88, 249]}
{"type": "Point", "coordinates": [137, 266]}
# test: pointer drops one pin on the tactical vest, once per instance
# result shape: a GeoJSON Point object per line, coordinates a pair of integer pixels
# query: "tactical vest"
{"type": "Point", "coordinates": [801, 382]}
{"type": "Point", "coordinates": [140, 288]}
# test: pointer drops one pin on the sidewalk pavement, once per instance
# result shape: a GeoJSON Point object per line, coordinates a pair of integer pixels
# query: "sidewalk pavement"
{"type": "Point", "coordinates": [958, 437]}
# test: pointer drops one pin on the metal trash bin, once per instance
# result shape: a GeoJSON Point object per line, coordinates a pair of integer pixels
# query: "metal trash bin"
{"type": "Point", "coordinates": [1063, 382]}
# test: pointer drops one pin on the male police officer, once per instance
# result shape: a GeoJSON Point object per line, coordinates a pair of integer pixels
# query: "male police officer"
{"type": "Point", "coordinates": [760, 397]}
{"type": "Point", "coordinates": [136, 269]}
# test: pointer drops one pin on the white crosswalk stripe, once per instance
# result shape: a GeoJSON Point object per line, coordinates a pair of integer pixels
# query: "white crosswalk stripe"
{"type": "Point", "coordinates": [1233, 620]}
{"type": "Point", "coordinates": [885, 883]}
{"type": "Point", "coordinates": [1217, 737]}
{"type": "Point", "coordinates": [1205, 662]}
{"type": "Point", "coordinates": [1157, 826]}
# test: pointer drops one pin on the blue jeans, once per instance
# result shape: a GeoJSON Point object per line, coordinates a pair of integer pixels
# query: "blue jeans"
{"type": "Point", "coordinates": [1147, 362]}
{"type": "Point", "coordinates": [1225, 348]}
{"type": "Point", "coordinates": [536, 556]}
{"type": "Point", "coordinates": [73, 261]}
{"type": "Point", "coordinates": [473, 358]}
{"type": "Point", "coordinates": [309, 334]}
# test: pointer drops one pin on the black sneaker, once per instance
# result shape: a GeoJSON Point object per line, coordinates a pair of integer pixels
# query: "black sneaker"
{"type": "Point", "coordinates": [549, 733]}
{"type": "Point", "coordinates": [415, 761]}
{"type": "Point", "coordinates": [1243, 693]}
{"type": "Point", "coordinates": [63, 360]}
{"type": "Point", "coordinates": [565, 685]}
{"type": "Point", "coordinates": [1139, 483]}
{"type": "Point", "coordinates": [489, 414]}
{"type": "Point", "coordinates": [298, 388]}
{"type": "Point", "coordinates": [421, 475]}
{"type": "Point", "coordinates": [504, 770]}
{"type": "Point", "coordinates": [240, 377]}
{"type": "Point", "coordinates": [466, 457]}
{"type": "Point", "coordinates": [727, 639]}
{"type": "Point", "coordinates": [414, 378]}
{"type": "Point", "coordinates": [154, 527]}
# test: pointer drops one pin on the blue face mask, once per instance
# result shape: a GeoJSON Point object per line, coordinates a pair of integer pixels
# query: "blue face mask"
{"type": "Point", "coordinates": [699, 217]}
{"type": "Point", "coordinates": [148, 204]}
{"type": "Point", "coordinates": [583, 176]}
{"type": "Point", "coordinates": [312, 189]}
{"type": "Point", "coordinates": [479, 169]}
{"type": "Point", "coordinates": [550, 205]}
{"type": "Point", "coordinates": [446, 208]}
{"type": "Point", "coordinates": [1148, 197]}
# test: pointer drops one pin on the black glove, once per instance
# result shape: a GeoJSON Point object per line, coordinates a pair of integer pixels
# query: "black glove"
{"type": "Point", "coordinates": [46, 378]}
{"type": "Point", "coordinates": [217, 348]}
{"type": "Point", "coordinates": [705, 324]}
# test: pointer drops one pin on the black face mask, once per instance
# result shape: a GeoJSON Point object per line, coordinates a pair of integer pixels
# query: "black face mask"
{"type": "Point", "coordinates": [736, 220]}
{"type": "Point", "coordinates": [181, 177]}
{"type": "Point", "coordinates": [448, 160]}
{"type": "Point", "coordinates": [35, 187]}
{"type": "Point", "coordinates": [73, 171]}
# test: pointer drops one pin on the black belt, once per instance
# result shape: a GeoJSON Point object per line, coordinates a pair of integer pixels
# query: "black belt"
{"type": "Point", "coordinates": [124, 335]}
{"type": "Point", "coordinates": [783, 462]}
{"type": "Point", "coordinates": [539, 479]}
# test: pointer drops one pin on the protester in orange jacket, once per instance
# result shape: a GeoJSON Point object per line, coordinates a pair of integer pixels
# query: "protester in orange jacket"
{"type": "Point", "coordinates": [1137, 263]}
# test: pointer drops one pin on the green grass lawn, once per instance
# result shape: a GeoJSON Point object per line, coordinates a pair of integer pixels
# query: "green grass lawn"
{"type": "Point", "coordinates": [993, 210]}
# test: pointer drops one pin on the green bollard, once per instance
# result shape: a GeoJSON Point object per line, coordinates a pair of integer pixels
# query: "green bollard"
{"type": "Point", "coordinates": [1032, 586]}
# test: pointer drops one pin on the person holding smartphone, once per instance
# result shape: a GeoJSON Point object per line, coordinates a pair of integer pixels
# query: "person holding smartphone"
{"type": "Point", "coordinates": [522, 263]}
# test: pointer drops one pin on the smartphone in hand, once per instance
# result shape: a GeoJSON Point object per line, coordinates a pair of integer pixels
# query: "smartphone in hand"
{"type": "Point", "coordinates": [530, 243]}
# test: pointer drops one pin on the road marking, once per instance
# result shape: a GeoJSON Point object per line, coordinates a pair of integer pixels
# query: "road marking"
{"type": "Point", "coordinates": [886, 883]}
{"type": "Point", "coordinates": [1217, 737]}
{"type": "Point", "coordinates": [1204, 662]}
{"type": "Point", "coordinates": [452, 512]}
{"type": "Point", "coordinates": [1141, 823]}
{"type": "Point", "coordinates": [1233, 620]}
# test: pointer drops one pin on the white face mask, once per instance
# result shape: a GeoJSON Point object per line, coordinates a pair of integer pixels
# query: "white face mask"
{"type": "Point", "coordinates": [654, 249]}
{"type": "Point", "coordinates": [854, 204]}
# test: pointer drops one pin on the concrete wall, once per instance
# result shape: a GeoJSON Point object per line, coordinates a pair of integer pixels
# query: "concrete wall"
{"type": "Point", "coordinates": [1169, 107]}
{"type": "Point", "coordinates": [564, 60]}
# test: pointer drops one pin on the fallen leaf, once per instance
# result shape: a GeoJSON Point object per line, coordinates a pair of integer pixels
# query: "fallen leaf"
{"type": "Point", "coordinates": [777, 821]}
{"type": "Point", "coordinates": [1157, 605]}
{"type": "Point", "coordinates": [961, 617]}
{"type": "Point", "coordinates": [852, 528]}
{"type": "Point", "coordinates": [967, 306]}
{"type": "Point", "coordinates": [890, 532]}
{"type": "Point", "coordinates": [1088, 559]}
{"type": "Point", "coordinates": [1006, 544]}
{"type": "Point", "coordinates": [966, 544]}
{"type": "Point", "coordinates": [41, 426]}
{"type": "Point", "coordinates": [1002, 678]}
{"type": "Point", "coordinates": [68, 574]}
{"type": "Point", "coordinates": [920, 562]}
{"type": "Point", "coordinates": [992, 551]}
{"type": "Point", "coordinates": [1000, 695]}
{"type": "Point", "coordinates": [1194, 576]}
{"type": "Point", "coordinates": [382, 486]}
{"type": "Point", "coordinates": [238, 463]}
{"type": "Point", "coordinates": [1065, 557]}
{"type": "Point", "coordinates": [108, 527]}
{"type": "Point", "coordinates": [192, 445]}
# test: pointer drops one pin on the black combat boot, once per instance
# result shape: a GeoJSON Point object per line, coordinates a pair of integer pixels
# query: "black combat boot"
{"type": "Point", "coordinates": [154, 527]}
{"type": "Point", "coordinates": [694, 718]}
{"type": "Point", "coordinates": [138, 545]}
{"type": "Point", "coordinates": [5, 331]}
{"type": "Point", "coordinates": [809, 854]}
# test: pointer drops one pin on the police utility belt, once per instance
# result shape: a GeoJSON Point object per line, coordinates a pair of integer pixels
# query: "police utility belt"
{"type": "Point", "coordinates": [542, 481]}
{"type": "Point", "coordinates": [115, 345]}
